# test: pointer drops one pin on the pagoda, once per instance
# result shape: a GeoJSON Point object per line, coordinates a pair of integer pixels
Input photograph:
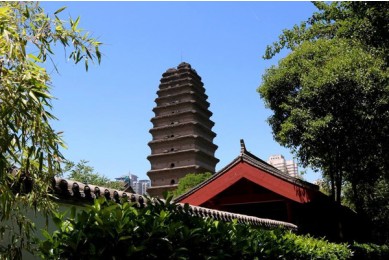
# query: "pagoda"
{"type": "Point", "coordinates": [182, 133]}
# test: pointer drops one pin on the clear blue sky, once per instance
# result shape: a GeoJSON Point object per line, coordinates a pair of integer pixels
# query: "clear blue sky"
{"type": "Point", "coordinates": [105, 113]}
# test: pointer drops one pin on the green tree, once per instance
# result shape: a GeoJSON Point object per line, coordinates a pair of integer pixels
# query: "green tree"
{"type": "Point", "coordinates": [330, 95]}
{"type": "Point", "coordinates": [189, 181]}
{"type": "Point", "coordinates": [86, 174]}
{"type": "Point", "coordinates": [29, 146]}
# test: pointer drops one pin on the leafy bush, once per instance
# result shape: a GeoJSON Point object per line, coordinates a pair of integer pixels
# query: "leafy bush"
{"type": "Point", "coordinates": [165, 230]}
{"type": "Point", "coordinates": [306, 247]}
{"type": "Point", "coordinates": [189, 181]}
{"type": "Point", "coordinates": [279, 244]}
{"type": "Point", "coordinates": [370, 251]}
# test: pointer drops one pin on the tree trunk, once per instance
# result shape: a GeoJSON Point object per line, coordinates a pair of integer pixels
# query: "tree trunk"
{"type": "Point", "coordinates": [357, 200]}
{"type": "Point", "coordinates": [338, 187]}
{"type": "Point", "coordinates": [332, 181]}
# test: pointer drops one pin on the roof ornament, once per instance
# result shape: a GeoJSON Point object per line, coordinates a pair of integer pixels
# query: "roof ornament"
{"type": "Point", "coordinates": [242, 146]}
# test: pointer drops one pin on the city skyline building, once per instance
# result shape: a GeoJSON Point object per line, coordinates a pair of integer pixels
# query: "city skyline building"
{"type": "Point", "coordinates": [141, 186]}
{"type": "Point", "coordinates": [286, 166]}
{"type": "Point", "coordinates": [138, 186]}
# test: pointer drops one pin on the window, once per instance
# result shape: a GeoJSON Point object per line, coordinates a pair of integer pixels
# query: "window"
{"type": "Point", "coordinates": [172, 182]}
{"type": "Point", "coordinates": [172, 165]}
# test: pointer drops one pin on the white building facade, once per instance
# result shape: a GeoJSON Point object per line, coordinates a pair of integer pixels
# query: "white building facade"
{"type": "Point", "coordinates": [139, 186]}
{"type": "Point", "coordinates": [287, 166]}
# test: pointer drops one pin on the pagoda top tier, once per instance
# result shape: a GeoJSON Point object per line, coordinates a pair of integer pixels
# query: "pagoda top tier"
{"type": "Point", "coordinates": [183, 66]}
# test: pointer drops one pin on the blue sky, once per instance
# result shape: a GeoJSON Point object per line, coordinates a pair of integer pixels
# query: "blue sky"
{"type": "Point", "coordinates": [105, 113]}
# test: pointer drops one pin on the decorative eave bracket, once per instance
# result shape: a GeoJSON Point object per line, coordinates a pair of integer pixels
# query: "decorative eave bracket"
{"type": "Point", "coordinates": [242, 147]}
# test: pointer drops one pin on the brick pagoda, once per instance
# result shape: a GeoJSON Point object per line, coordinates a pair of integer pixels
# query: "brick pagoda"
{"type": "Point", "coordinates": [182, 130]}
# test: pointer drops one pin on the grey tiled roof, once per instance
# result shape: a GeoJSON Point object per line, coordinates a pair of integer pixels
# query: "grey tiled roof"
{"type": "Point", "coordinates": [244, 219]}
{"type": "Point", "coordinates": [76, 192]}
{"type": "Point", "coordinates": [69, 191]}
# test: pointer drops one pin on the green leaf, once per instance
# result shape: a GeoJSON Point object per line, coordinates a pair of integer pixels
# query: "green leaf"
{"type": "Point", "coordinates": [57, 221]}
{"type": "Point", "coordinates": [73, 212]}
{"type": "Point", "coordinates": [32, 95]}
{"type": "Point", "coordinates": [75, 24]}
{"type": "Point", "coordinates": [124, 238]}
{"type": "Point", "coordinates": [34, 58]}
{"type": "Point", "coordinates": [60, 10]}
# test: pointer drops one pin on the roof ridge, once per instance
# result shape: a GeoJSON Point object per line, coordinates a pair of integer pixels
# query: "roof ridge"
{"type": "Point", "coordinates": [256, 162]}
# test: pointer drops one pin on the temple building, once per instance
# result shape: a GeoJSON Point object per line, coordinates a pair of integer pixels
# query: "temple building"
{"type": "Point", "coordinates": [182, 136]}
{"type": "Point", "coordinates": [251, 186]}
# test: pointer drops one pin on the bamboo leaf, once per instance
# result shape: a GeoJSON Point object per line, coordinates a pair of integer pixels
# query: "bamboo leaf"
{"type": "Point", "coordinates": [75, 24]}
{"type": "Point", "coordinates": [60, 10]}
{"type": "Point", "coordinates": [32, 95]}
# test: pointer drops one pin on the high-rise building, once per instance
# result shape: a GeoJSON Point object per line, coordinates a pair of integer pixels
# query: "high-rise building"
{"type": "Point", "coordinates": [286, 166]}
{"type": "Point", "coordinates": [182, 139]}
{"type": "Point", "coordinates": [128, 179]}
{"type": "Point", "coordinates": [138, 186]}
{"type": "Point", "coordinates": [292, 168]}
{"type": "Point", "coordinates": [141, 186]}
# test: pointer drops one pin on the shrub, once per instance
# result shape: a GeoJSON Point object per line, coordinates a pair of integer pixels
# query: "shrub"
{"type": "Point", "coordinates": [162, 230]}
{"type": "Point", "coordinates": [370, 251]}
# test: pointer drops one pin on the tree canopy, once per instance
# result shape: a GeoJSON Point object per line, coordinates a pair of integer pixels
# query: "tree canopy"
{"type": "Point", "coordinates": [29, 146]}
{"type": "Point", "coordinates": [330, 95]}
{"type": "Point", "coordinates": [189, 181]}
{"type": "Point", "coordinates": [86, 174]}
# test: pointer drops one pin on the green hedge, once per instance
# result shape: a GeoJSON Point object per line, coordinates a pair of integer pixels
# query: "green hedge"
{"type": "Point", "coordinates": [162, 230]}
{"type": "Point", "coordinates": [370, 251]}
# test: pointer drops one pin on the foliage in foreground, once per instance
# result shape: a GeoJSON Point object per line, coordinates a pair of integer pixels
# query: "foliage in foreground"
{"type": "Point", "coordinates": [164, 230]}
{"type": "Point", "coordinates": [29, 146]}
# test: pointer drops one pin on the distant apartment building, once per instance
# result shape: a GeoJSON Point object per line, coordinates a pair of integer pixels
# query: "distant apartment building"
{"type": "Point", "coordinates": [139, 186]}
{"type": "Point", "coordinates": [287, 166]}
